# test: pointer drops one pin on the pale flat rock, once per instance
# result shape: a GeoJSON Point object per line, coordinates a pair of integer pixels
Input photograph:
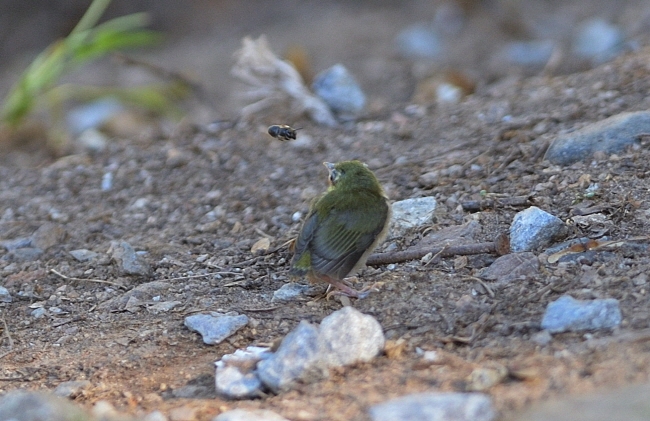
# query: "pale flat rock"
{"type": "Point", "coordinates": [630, 404]}
{"type": "Point", "coordinates": [610, 135]}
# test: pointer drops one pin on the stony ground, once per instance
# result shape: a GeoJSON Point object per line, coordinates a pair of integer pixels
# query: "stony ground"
{"type": "Point", "coordinates": [194, 201]}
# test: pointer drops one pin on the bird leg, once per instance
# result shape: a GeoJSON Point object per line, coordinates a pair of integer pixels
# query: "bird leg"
{"type": "Point", "coordinates": [342, 288]}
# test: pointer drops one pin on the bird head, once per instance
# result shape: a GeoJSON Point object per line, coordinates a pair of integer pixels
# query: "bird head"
{"type": "Point", "coordinates": [352, 175]}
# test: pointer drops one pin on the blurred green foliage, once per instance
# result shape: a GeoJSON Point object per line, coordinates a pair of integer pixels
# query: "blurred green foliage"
{"type": "Point", "coordinates": [37, 86]}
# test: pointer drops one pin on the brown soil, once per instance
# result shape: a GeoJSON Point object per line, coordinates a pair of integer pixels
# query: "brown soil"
{"type": "Point", "coordinates": [139, 360]}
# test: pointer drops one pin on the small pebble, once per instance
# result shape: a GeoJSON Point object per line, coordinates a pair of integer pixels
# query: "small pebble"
{"type": "Point", "coordinates": [568, 314]}
{"type": "Point", "coordinates": [511, 267]}
{"type": "Point", "coordinates": [71, 389]}
{"type": "Point", "coordinates": [130, 262]}
{"type": "Point", "coordinates": [48, 235]}
{"type": "Point", "coordinates": [232, 383]}
{"type": "Point", "coordinates": [411, 214]}
{"type": "Point", "coordinates": [296, 358]}
{"type": "Point", "coordinates": [155, 416]}
{"type": "Point", "coordinates": [104, 410]}
{"type": "Point", "coordinates": [21, 405]}
{"type": "Point", "coordinates": [83, 255]}
{"type": "Point", "coordinates": [533, 228]}
{"type": "Point", "coordinates": [92, 114]}
{"type": "Point", "coordinates": [598, 40]}
{"type": "Point", "coordinates": [640, 279]}
{"type": "Point", "coordinates": [107, 181]}
{"type": "Point", "coordinates": [629, 403]}
{"type": "Point", "coordinates": [542, 338]}
{"type": "Point", "coordinates": [528, 53]}
{"type": "Point", "coordinates": [435, 407]}
{"type": "Point", "coordinates": [26, 254]}
{"type": "Point", "coordinates": [215, 327]}
{"type": "Point", "coordinates": [249, 415]}
{"type": "Point", "coordinates": [183, 413]}
{"type": "Point", "coordinates": [348, 336]}
{"type": "Point", "coordinates": [92, 140]}
{"type": "Point", "coordinates": [340, 91]}
{"type": "Point", "coordinates": [235, 377]}
{"type": "Point", "coordinates": [419, 40]}
{"type": "Point", "coordinates": [290, 291]}
{"type": "Point", "coordinates": [5, 296]}
{"type": "Point", "coordinates": [611, 135]}
{"type": "Point", "coordinates": [38, 313]}
{"type": "Point", "coordinates": [163, 307]}
{"type": "Point", "coordinates": [483, 378]}
{"type": "Point", "coordinates": [16, 243]}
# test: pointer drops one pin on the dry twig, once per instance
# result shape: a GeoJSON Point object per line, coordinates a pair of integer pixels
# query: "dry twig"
{"type": "Point", "coordinates": [479, 205]}
{"type": "Point", "coordinates": [378, 259]}
{"type": "Point", "coordinates": [98, 281]}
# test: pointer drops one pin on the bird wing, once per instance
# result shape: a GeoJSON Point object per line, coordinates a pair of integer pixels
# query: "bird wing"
{"type": "Point", "coordinates": [338, 242]}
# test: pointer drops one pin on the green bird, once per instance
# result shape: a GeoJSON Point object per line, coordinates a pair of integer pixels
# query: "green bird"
{"type": "Point", "coordinates": [344, 225]}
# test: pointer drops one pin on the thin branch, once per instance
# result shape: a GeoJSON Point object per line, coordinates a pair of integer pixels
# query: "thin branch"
{"type": "Point", "coordinates": [482, 282]}
{"type": "Point", "coordinates": [4, 354]}
{"type": "Point", "coordinates": [6, 329]}
{"type": "Point", "coordinates": [166, 74]}
{"type": "Point", "coordinates": [379, 259]}
{"type": "Point", "coordinates": [479, 205]}
{"type": "Point", "coordinates": [98, 281]}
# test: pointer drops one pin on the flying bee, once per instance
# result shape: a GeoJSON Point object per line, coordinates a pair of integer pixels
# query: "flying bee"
{"type": "Point", "coordinates": [282, 132]}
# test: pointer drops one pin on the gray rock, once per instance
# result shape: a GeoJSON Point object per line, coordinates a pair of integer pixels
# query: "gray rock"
{"type": "Point", "coordinates": [345, 337]}
{"type": "Point", "coordinates": [155, 416]}
{"type": "Point", "coordinates": [249, 415]}
{"type": "Point", "coordinates": [16, 243]}
{"type": "Point", "coordinates": [92, 140]}
{"type": "Point", "coordinates": [5, 297]}
{"type": "Point", "coordinates": [290, 291]}
{"type": "Point", "coordinates": [162, 307]}
{"type": "Point", "coordinates": [340, 91]}
{"type": "Point", "coordinates": [83, 255]}
{"type": "Point", "coordinates": [410, 214]}
{"type": "Point", "coordinates": [511, 267]}
{"type": "Point", "coordinates": [611, 135]}
{"type": "Point", "coordinates": [533, 228]}
{"type": "Point", "coordinates": [48, 235]}
{"type": "Point", "coordinates": [37, 406]}
{"type": "Point", "coordinates": [132, 300]}
{"type": "Point", "coordinates": [419, 40]}
{"type": "Point", "coordinates": [71, 389]}
{"type": "Point", "coordinates": [297, 358]}
{"type": "Point", "coordinates": [528, 53]}
{"type": "Point", "coordinates": [568, 314]}
{"type": "Point", "coordinates": [542, 338]}
{"type": "Point", "coordinates": [26, 254]}
{"type": "Point", "coordinates": [194, 391]}
{"type": "Point", "coordinates": [233, 383]}
{"type": "Point", "coordinates": [435, 407]}
{"type": "Point", "coordinates": [107, 181]}
{"type": "Point", "coordinates": [598, 40]}
{"type": "Point", "coordinates": [130, 262]}
{"type": "Point", "coordinates": [629, 404]}
{"type": "Point", "coordinates": [348, 336]}
{"type": "Point", "coordinates": [235, 377]}
{"type": "Point", "coordinates": [39, 312]}
{"type": "Point", "coordinates": [215, 327]}
{"type": "Point", "coordinates": [93, 114]}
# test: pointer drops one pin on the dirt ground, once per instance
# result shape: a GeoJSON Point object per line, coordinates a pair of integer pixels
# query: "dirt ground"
{"type": "Point", "coordinates": [195, 201]}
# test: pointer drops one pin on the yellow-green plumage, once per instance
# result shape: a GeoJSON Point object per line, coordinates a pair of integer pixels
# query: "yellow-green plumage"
{"type": "Point", "coordinates": [343, 226]}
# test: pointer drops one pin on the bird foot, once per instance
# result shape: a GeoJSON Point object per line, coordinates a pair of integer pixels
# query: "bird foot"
{"type": "Point", "coordinates": [342, 289]}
